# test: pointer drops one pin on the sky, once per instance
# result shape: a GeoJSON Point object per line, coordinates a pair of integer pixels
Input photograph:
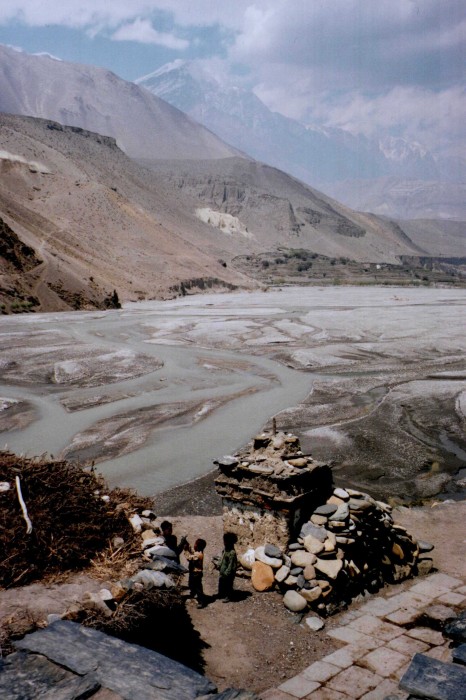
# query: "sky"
{"type": "Point", "coordinates": [370, 66]}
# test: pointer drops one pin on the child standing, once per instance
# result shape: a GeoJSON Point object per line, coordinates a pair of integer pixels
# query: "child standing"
{"type": "Point", "coordinates": [195, 557]}
{"type": "Point", "coordinates": [227, 567]}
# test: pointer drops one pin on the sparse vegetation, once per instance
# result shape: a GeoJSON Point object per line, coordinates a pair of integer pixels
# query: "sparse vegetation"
{"type": "Point", "coordinates": [301, 266]}
{"type": "Point", "coordinates": [202, 284]}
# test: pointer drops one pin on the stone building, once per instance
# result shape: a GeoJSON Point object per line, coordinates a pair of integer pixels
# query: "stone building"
{"type": "Point", "coordinates": [269, 489]}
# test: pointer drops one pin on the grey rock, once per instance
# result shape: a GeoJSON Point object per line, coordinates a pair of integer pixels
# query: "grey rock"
{"type": "Point", "coordinates": [282, 574]}
{"type": "Point", "coordinates": [315, 623]}
{"type": "Point", "coordinates": [318, 519]}
{"type": "Point", "coordinates": [260, 555]}
{"type": "Point", "coordinates": [341, 493]}
{"type": "Point", "coordinates": [329, 567]}
{"type": "Point", "coordinates": [294, 601]}
{"type": "Point", "coordinates": [311, 594]}
{"type": "Point", "coordinates": [294, 546]}
{"type": "Point", "coordinates": [313, 545]}
{"type": "Point", "coordinates": [425, 546]}
{"type": "Point", "coordinates": [301, 581]}
{"type": "Point", "coordinates": [359, 504]}
{"type": "Point", "coordinates": [273, 551]}
{"type": "Point", "coordinates": [226, 461]}
{"type": "Point", "coordinates": [296, 571]}
{"type": "Point", "coordinates": [341, 513]}
{"type": "Point", "coordinates": [424, 566]}
{"type": "Point", "coordinates": [326, 509]}
{"type": "Point", "coordinates": [302, 558]}
{"type": "Point", "coordinates": [320, 533]}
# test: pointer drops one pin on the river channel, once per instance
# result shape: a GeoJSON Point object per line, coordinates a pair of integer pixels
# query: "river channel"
{"type": "Point", "coordinates": [154, 392]}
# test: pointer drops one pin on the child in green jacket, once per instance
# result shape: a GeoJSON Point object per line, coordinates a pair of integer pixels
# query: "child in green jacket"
{"type": "Point", "coordinates": [227, 567]}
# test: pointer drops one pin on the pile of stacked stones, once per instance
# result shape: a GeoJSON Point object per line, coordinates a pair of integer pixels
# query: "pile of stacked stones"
{"type": "Point", "coordinates": [160, 568]}
{"type": "Point", "coordinates": [349, 545]}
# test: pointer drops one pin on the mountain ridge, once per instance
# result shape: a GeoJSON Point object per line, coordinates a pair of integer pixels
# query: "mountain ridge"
{"type": "Point", "coordinates": [42, 87]}
{"type": "Point", "coordinates": [331, 159]}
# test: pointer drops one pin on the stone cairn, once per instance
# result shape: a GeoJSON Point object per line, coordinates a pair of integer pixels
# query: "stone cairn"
{"type": "Point", "coordinates": [321, 546]}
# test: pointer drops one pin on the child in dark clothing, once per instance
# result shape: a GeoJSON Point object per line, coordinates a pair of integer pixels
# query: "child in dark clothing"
{"type": "Point", "coordinates": [227, 567]}
{"type": "Point", "coordinates": [171, 540]}
{"type": "Point", "coordinates": [195, 557]}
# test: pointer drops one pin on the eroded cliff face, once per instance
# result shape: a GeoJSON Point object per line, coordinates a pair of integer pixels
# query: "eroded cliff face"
{"type": "Point", "coordinates": [82, 221]}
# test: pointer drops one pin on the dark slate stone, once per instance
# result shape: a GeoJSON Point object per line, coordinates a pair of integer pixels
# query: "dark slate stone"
{"type": "Point", "coordinates": [270, 550]}
{"type": "Point", "coordinates": [434, 680]}
{"type": "Point", "coordinates": [326, 509]}
{"type": "Point", "coordinates": [296, 571]}
{"type": "Point", "coordinates": [456, 629]}
{"type": "Point", "coordinates": [300, 583]}
{"type": "Point", "coordinates": [459, 655]}
{"type": "Point", "coordinates": [30, 676]}
{"type": "Point", "coordinates": [129, 670]}
{"type": "Point", "coordinates": [320, 533]}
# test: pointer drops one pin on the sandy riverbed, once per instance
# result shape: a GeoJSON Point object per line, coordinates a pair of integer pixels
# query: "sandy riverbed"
{"type": "Point", "coordinates": [372, 379]}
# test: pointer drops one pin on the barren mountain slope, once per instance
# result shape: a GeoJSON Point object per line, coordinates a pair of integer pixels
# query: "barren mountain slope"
{"type": "Point", "coordinates": [99, 221]}
{"type": "Point", "coordinates": [97, 100]}
{"type": "Point", "coordinates": [94, 219]}
{"type": "Point", "coordinates": [273, 209]}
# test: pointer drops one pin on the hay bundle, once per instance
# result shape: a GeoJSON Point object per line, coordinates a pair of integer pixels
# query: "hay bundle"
{"type": "Point", "coordinates": [71, 521]}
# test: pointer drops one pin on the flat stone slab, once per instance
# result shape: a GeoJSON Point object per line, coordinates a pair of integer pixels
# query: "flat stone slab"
{"type": "Point", "coordinates": [321, 671]}
{"type": "Point", "coordinates": [435, 680]}
{"type": "Point", "coordinates": [30, 676]}
{"type": "Point", "coordinates": [384, 661]}
{"type": "Point", "coordinates": [354, 680]}
{"type": "Point", "coordinates": [326, 509]}
{"type": "Point", "coordinates": [299, 686]}
{"type": "Point", "coordinates": [407, 645]}
{"type": "Point", "coordinates": [368, 624]}
{"type": "Point", "coordinates": [425, 634]}
{"type": "Point", "coordinates": [128, 669]}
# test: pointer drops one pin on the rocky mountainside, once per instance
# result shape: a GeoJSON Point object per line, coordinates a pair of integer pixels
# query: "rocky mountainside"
{"type": "Point", "coordinates": [258, 207]}
{"type": "Point", "coordinates": [350, 167]}
{"type": "Point", "coordinates": [83, 220]}
{"type": "Point", "coordinates": [97, 100]}
{"type": "Point", "coordinates": [79, 220]}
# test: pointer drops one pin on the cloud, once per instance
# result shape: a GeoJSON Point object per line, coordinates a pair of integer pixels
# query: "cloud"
{"type": "Point", "coordinates": [103, 14]}
{"type": "Point", "coordinates": [393, 66]}
{"type": "Point", "coordinates": [142, 31]}
{"type": "Point", "coordinates": [352, 44]}
{"type": "Point", "coordinates": [433, 118]}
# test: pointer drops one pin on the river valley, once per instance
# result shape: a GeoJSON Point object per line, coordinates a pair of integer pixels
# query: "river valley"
{"type": "Point", "coordinates": [372, 379]}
